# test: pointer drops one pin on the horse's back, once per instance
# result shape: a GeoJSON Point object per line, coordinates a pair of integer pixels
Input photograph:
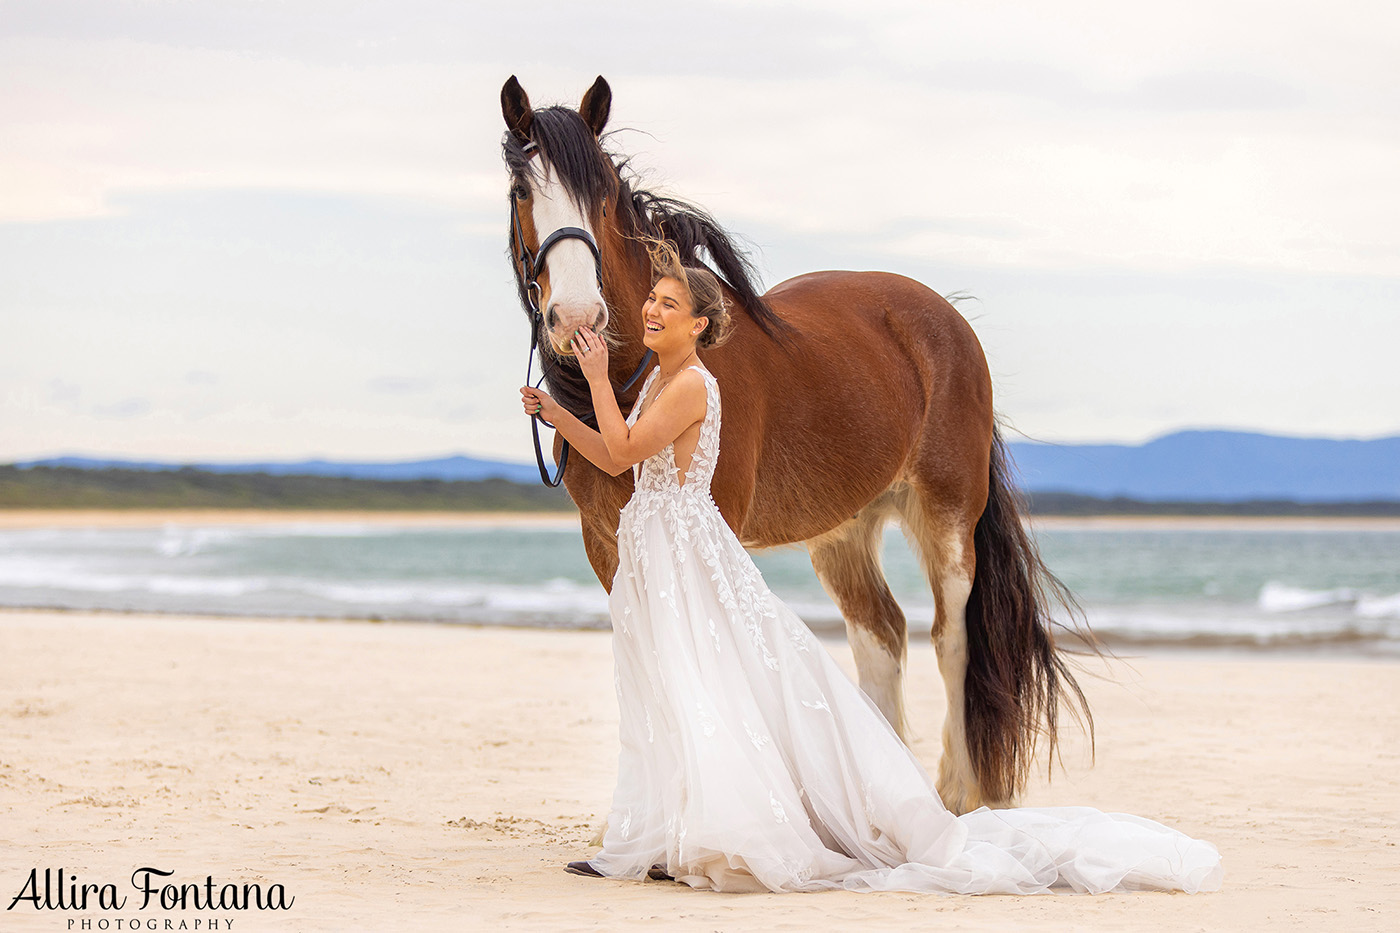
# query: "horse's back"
{"type": "Point", "coordinates": [822, 302]}
{"type": "Point", "coordinates": [838, 305]}
{"type": "Point", "coordinates": [866, 289]}
{"type": "Point", "coordinates": [877, 368]}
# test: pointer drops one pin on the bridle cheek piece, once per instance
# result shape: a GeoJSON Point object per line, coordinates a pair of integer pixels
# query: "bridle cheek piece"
{"type": "Point", "coordinates": [528, 267]}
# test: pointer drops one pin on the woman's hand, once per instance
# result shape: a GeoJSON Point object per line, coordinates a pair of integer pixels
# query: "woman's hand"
{"type": "Point", "coordinates": [538, 402]}
{"type": "Point", "coordinates": [592, 354]}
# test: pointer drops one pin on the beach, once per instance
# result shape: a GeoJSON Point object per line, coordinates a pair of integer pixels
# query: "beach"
{"type": "Point", "coordinates": [437, 777]}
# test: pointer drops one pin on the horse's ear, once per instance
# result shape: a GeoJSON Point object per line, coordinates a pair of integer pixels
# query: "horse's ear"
{"type": "Point", "coordinates": [597, 103]}
{"type": "Point", "coordinates": [515, 107]}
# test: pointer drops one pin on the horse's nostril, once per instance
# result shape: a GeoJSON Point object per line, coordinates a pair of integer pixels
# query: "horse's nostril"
{"type": "Point", "coordinates": [551, 317]}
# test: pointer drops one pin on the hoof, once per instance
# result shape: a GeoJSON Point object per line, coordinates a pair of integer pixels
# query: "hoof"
{"type": "Point", "coordinates": [958, 796]}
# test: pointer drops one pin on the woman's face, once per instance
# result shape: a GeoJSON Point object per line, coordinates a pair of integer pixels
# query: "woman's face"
{"type": "Point", "coordinates": [666, 316]}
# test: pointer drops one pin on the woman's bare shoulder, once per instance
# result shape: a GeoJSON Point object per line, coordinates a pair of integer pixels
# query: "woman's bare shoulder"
{"type": "Point", "coordinates": [687, 393]}
{"type": "Point", "coordinates": [691, 382]}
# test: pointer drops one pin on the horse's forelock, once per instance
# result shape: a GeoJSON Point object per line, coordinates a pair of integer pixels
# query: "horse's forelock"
{"type": "Point", "coordinates": [572, 152]}
{"type": "Point", "coordinates": [590, 174]}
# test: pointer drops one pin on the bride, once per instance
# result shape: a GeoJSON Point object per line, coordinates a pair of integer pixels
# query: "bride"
{"type": "Point", "coordinates": [749, 760]}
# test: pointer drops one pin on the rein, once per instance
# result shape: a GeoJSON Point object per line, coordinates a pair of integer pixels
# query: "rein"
{"type": "Point", "coordinates": [528, 267]}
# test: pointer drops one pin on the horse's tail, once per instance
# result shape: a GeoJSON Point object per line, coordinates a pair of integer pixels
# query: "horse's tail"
{"type": "Point", "coordinates": [1016, 675]}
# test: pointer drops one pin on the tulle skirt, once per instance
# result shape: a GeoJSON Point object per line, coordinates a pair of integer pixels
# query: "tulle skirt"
{"type": "Point", "coordinates": [750, 762]}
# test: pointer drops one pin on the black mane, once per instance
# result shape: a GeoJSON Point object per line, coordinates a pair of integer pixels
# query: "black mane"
{"type": "Point", "coordinates": [587, 171]}
{"type": "Point", "coordinates": [568, 145]}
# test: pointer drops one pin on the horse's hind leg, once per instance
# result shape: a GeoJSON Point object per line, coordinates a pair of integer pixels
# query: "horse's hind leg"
{"type": "Point", "coordinates": [847, 561]}
{"type": "Point", "coordinates": [944, 545]}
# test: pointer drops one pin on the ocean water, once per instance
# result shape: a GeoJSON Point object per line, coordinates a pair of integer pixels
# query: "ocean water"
{"type": "Point", "coordinates": [1250, 587]}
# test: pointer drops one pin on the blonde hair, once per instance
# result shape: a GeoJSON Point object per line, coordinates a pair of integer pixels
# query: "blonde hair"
{"type": "Point", "coordinates": [703, 286]}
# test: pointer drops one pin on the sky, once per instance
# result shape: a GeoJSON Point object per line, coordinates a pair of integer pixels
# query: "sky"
{"type": "Point", "coordinates": [247, 230]}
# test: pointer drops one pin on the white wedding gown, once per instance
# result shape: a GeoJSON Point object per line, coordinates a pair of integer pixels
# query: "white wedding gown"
{"type": "Point", "coordinates": [751, 762]}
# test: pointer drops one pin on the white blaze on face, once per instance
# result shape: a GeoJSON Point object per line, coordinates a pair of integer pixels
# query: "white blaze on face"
{"type": "Point", "coordinates": [572, 290]}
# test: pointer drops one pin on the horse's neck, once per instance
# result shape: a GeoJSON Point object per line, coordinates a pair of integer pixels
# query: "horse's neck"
{"type": "Point", "coordinates": [626, 283]}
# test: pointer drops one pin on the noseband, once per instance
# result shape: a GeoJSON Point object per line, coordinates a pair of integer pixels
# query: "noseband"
{"type": "Point", "coordinates": [528, 267]}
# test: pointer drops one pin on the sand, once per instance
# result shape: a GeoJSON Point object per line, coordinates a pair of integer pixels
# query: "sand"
{"type": "Point", "coordinates": [432, 777]}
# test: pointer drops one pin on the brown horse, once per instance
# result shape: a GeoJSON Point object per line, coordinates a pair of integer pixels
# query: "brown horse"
{"type": "Point", "coordinates": [850, 398]}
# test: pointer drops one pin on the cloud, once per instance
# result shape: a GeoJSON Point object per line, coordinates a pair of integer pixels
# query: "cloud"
{"type": "Point", "coordinates": [1204, 90]}
{"type": "Point", "coordinates": [400, 385]}
{"type": "Point", "coordinates": [62, 392]}
{"type": "Point", "coordinates": [282, 226]}
{"type": "Point", "coordinates": [126, 408]}
{"type": "Point", "coordinates": [459, 413]}
{"type": "Point", "coordinates": [969, 118]}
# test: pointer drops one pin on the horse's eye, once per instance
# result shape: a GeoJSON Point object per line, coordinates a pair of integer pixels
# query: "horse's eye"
{"type": "Point", "coordinates": [520, 192]}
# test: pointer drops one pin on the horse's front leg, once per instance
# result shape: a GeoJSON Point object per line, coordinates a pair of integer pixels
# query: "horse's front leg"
{"type": "Point", "coordinates": [847, 562]}
{"type": "Point", "coordinates": [600, 544]}
{"type": "Point", "coordinates": [600, 499]}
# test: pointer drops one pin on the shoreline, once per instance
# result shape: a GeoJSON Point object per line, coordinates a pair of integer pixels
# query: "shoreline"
{"type": "Point", "coordinates": [1115, 649]}
{"type": "Point", "coordinates": [1216, 522]}
{"type": "Point", "coordinates": [145, 518]}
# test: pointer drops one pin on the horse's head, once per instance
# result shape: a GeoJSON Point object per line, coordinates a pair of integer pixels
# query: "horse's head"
{"type": "Point", "coordinates": [561, 183]}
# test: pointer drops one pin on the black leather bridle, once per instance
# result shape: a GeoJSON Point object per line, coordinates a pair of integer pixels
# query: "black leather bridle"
{"type": "Point", "coordinates": [528, 267]}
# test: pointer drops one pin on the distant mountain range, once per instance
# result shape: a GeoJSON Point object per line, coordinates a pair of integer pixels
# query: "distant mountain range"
{"type": "Point", "coordinates": [1198, 466]}
{"type": "Point", "coordinates": [1217, 466]}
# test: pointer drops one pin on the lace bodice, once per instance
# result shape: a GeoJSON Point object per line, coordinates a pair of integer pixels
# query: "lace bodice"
{"type": "Point", "coordinates": [658, 473]}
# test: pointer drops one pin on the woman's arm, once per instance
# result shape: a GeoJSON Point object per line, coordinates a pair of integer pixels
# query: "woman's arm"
{"type": "Point", "coordinates": [663, 421]}
{"type": "Point", "coordinates": [585, 440]}
{"type": "Point", "coordinates": [668, 415]}
{"type": "Point", "coordinates": [679, 406]}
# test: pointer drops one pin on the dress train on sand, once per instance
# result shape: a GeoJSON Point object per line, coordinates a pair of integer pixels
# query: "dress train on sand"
{"type": "Point", "coordinates": [751, 762]}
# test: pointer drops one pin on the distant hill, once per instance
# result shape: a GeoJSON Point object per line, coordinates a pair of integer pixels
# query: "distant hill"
{"type": "Point", "coordinates": [57, 487]}
{"type": "Point", "coordinates": [47, 487]}
{"type": "Point", "coordinates": [1217, 466]}
{"type": "Point", "coordinates": [1187, 466]}
{"type": "Point", "coordinates": [450, 469]}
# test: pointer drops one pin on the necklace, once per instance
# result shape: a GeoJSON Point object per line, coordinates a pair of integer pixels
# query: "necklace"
{"type": "Point", "coordinates": [667, 381]}
{"type": "Point", "coordinates": [662, 384]}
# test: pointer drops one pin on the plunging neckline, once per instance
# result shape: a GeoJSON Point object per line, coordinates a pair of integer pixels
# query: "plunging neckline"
{"type": "Point", "coordinates": [647, 385]}
{"type": "Point", "coordinates": [669, 451]}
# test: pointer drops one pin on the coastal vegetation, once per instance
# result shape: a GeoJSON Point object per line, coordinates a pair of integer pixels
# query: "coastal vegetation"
{"type": "Point", "coordinates": [70, 488]}
{"type": "Point", "coordinates": [45, 487]}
